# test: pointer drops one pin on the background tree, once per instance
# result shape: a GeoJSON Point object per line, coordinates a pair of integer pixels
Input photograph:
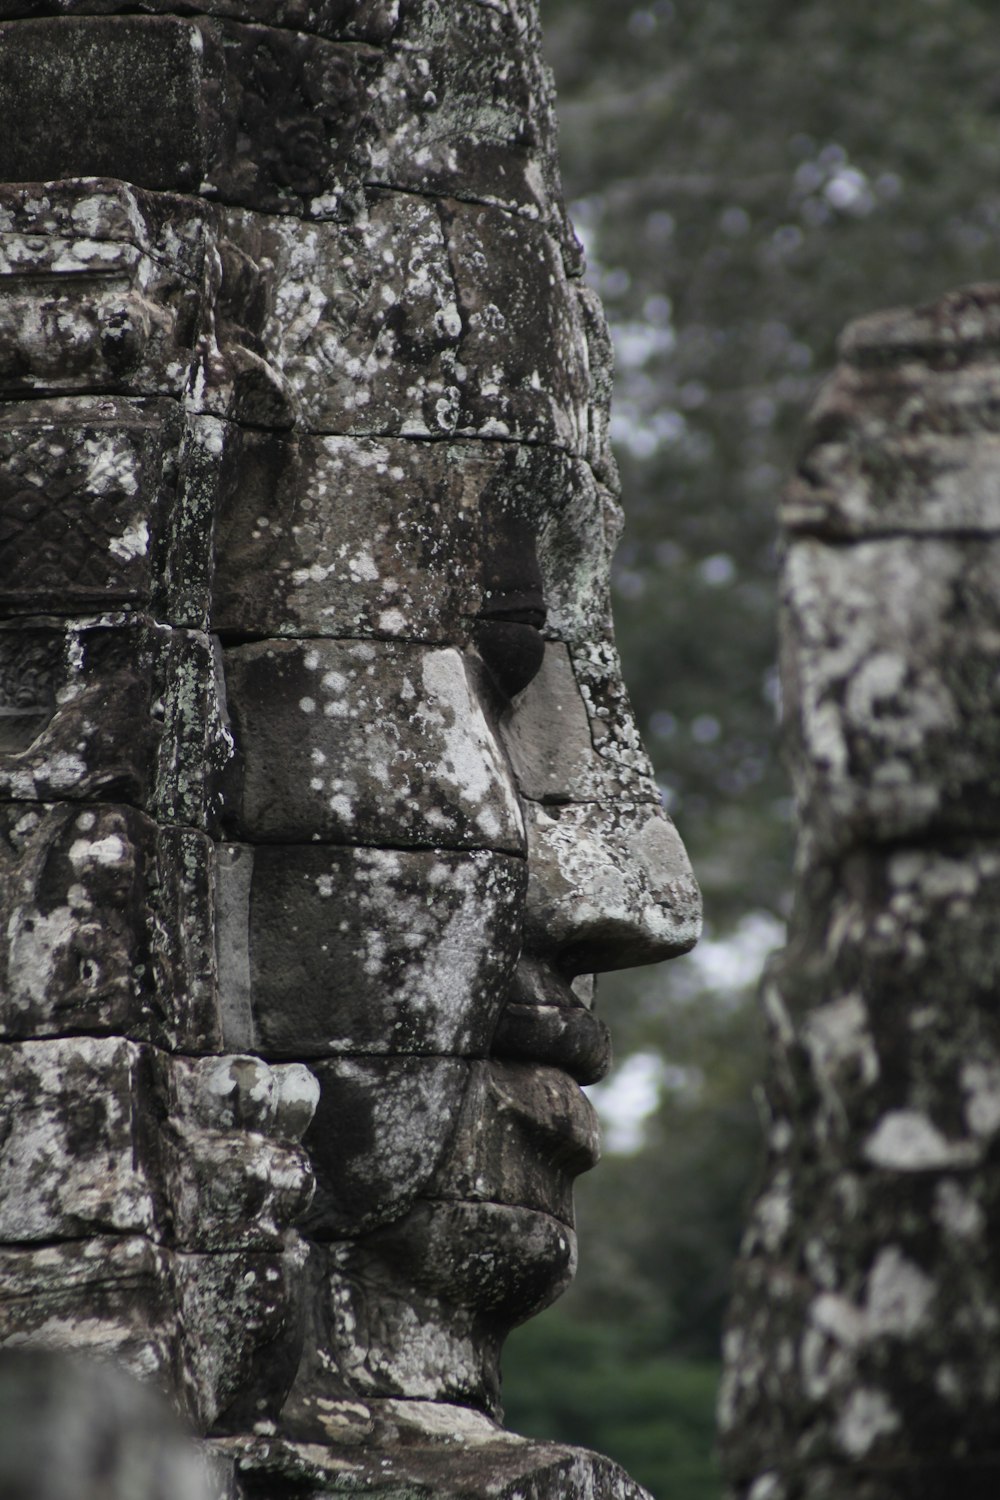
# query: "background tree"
{"type": "Point", "coordinates": [747, 179]}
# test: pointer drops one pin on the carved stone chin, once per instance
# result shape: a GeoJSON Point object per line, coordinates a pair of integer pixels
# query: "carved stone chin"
{"type": "Point", "coordinates": [321, 800]}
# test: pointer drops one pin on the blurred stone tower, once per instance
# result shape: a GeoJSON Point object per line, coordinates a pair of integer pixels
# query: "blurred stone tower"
{"type": "Point", "coordinates": [863, 1358]}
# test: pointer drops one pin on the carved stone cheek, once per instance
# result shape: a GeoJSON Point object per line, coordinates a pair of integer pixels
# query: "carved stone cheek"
{"type": "Point", "coordinates": [366, 742]}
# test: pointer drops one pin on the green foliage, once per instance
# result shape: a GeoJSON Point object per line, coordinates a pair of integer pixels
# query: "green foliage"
{"type": "Point", "coordinates": [659, 1226]}
{"type": "Point", "coordinates": [585, 1384]}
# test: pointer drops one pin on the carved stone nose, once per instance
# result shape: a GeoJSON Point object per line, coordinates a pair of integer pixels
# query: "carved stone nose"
{"type": "Point", "coordinates": [609, 883]}
{"type": "Point", "coordinates": [609, 887]}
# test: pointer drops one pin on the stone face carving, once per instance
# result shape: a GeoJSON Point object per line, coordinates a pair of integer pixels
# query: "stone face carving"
{"type": "Point", "coordinates": [321, 794]}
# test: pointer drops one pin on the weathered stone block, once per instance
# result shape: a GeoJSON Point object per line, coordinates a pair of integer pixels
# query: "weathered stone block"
{"type": "Point", "coordinates": [340, 950]}
{"type": "Point", "coordinates": [107, 286]}
{"type": "Point", "coordinates": [352, 20]}
{"type": "Point", "coordinates": [548, 735]}
{"type": "Point", "coordinates": [219, 1333]}
{"type": "Point", "coordinates": [882, 1009]}
{"type": "Point", "coordinates": [431, 114]}
{"type": "Point", "coordinates": [568, 1036]}
{"type": "Point", "coordinates": [447, 1452]}
{"type": "Point", "coordinates": [104, 1135]}
{"type": "Point", "coordinates": [233, 1190]}
{"type": "Point", "coordinates": [75, 926]}
{"type": "Point", "coordinates": [424, 319]}
{"type": "Point", "coordinates": [864, 484]}
{"type": "Point", "coordinates": [107, 927]}
{"type": "Point", "coordinates": [85, 314]}
{"type": "Point", "coordinates": [75, 1158]}
{"type": "Point", "coordinates": [466, 1267]}
{"type": "Point", "coordinates": [363, 323]}
{"type": "Point", "coordinates": [241, 1092]}
{"type": "Point", "coordinates": [164, 227]}
{"type": "Point", "coordinates": [54, 71]}
{"type": "Point", "coordinates": [626, 764]}
{"type": "Point", "coordinates": [891, 652]}
{"type": "Point", "coordinates": [905, 436]}
{"type": "Point", "coordinates": [233, 1174]}
{"type": "Point", "coordinates": [841, 1314]}
{"type": "Point", "coordinates": [577, 531]}
{"type": "Point", "coordinates": [125, 712]}
{"type": "Point", "coordinates": [366, 742]}
{"type": "Point", "coordinates": [183, 943]}
{"type": "Point", "coordinates": [346, 536]}
{"type": "Point", "coordinates": [382, 1127]}
{"type": "Point", "coordinates": [523, 348]}
{"type": "Point", "coordinates": [241, 1322]}
{"type": "Point", "coordinates": [446, 119]}
{"type": "Point", "coordinates": [110, 1296]}
{"type": "Point", "coordinates": [256, 114]}
{"type": "Point", "coordinates": [601, 365]}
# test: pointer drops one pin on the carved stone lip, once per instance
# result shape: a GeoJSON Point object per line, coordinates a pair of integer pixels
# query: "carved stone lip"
{"type": "Point", "coordinates": [553, 1114]}
{"type": "Point", "coordinates": [545, 1022]}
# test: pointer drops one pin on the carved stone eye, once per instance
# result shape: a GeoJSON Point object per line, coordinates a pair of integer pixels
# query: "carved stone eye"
{"type": "Point", "coordinates": [513, 609]}
{"type": "Point", "coordinates": [512, 650]}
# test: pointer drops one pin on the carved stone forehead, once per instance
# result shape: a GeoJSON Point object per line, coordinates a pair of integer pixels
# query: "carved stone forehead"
{"type": "Point", "coordinates": [335, 536]}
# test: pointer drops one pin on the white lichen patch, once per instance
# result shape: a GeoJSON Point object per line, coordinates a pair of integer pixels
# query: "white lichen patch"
{"type": "Point", "coordinates": [958, 1214]}
{"type": "Point", "coordinates": [442, 1421]}
{"type": "Point", "coordinates": [772, 1212]}
{"type": "Point", "coordinates": [132, 544]}
{"type": "Point", "coordinates": [907, 1141]}
{"type": "Point", "coordinates": [837, 1035]}
{"type": "Point", "coordinates": [111, 850]}
{"type": "Point", "coordinates": [110, 467]}
{"type": "Point", "coordinates": [899, 1295]}
{"type": "Point", "coordinates": [866, 1417]}
{"type": "Point", "coordinates": [981, 1084]}
{"type": "Point", "coordinates": [38, 944]}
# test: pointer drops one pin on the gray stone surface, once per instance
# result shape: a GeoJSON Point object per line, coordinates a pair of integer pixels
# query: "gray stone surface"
{"type": "Point", "coordinates": [81, 312]}
{"type": "Point", "coordinates": [441, 1451]}
{"type": "Point", "coordinates": [309, 542]}
{"type": "Point", "coordinates": [882, 698]}
{"type": "Point", "coordinates": [107, 927]}
{"type": "Point", "coordinates": [281, 117]}
{"type": "Point", "coordinates": [404, 321]}
{"type": "Point", "coordinates": [82, 494]}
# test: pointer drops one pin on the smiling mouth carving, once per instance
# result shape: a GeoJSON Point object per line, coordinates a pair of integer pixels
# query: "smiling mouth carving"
{"type": "Point", "coordinates": [545, 1022]}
